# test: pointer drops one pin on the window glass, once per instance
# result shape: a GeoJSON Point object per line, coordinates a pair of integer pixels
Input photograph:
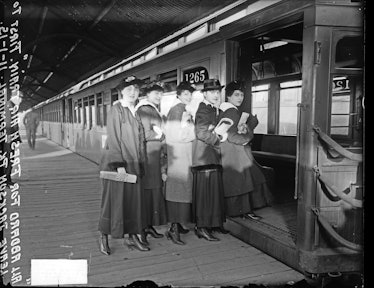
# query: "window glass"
{"type": "Point", "coordinates": [100, 110]}
{"type": "Point", "coordinates": [288, 100]}
{"type": "Point", "coordinates": [349, 52]}
{"type": "Point", "coordinates": [260, 107]}
{"type": "Point", "coordinates": [340, 106]}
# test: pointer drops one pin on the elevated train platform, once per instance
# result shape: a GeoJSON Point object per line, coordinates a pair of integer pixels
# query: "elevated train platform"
{"type": "Point", "coordinates": [58, 213]}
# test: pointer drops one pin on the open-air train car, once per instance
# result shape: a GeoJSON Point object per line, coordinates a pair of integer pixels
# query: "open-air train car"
{"type": "Point", "coordinates": [303, 65]}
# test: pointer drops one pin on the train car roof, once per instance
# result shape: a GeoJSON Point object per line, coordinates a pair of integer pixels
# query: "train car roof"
{"type": "Point", "coordinates": [67, 41]}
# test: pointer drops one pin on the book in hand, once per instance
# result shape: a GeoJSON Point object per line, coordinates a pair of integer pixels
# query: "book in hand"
{"type": "Point", "coordinates": [121, 175]}
{"type": "Point", "coordinates": [243, 118]}
{"type": "Point", "coordinates": [223, 126]}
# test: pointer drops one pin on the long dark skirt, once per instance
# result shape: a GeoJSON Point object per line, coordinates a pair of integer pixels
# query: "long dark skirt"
{"type": "Point", "coordinates": [178, 212]}
{"type": "Point", "coordinates": [122, 209]}
{"type": "Point", "coordinates": [261, 196]}
{"type": "Point", "coordinates": [238, 205]}
{"type": "Point", "coordinates": [258, 198]}
{"type": "Point", "coordinates": [207, 196]}
{"type": "Point", "coordinates": [155, 204]}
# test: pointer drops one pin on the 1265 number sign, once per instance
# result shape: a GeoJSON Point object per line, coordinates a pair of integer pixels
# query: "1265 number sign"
{"type": "Point", "coordinates": [195, 75]}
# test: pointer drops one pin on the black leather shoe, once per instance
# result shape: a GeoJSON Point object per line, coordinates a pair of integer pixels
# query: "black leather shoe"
{"type": "Point", "coordinates": [203, 233]}
{"type": "Point", "coordinates": [252, 216]}
{"type": "Point", "coordinates": [173, 234]}
{"type": "Point", "coordinates": [104, 245]}
{"type": "Point", "coordinates": [133, 242]}
{"type": "Point", "coordinates": [152, 231]}
{"type": "Point", "coordinates": [220, 230]}
{"type": "Point", "coordinates": [143, 238]}
{"type": "Point", "coordinates": [182, 230]}
{"type": "Point", "coordinates": [174, 238]}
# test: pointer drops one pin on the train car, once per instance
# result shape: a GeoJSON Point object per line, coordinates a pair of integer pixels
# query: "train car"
{"type": "Point", "coordinates": [303, 65]}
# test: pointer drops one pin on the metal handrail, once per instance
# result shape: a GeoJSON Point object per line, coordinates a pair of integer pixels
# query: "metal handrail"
{"type": "Point", "coordinates": [338, 148]}
{"type": "Point", "coordinates": [353, 202]}
{"type": "Point", "coordinates": [328, 228]}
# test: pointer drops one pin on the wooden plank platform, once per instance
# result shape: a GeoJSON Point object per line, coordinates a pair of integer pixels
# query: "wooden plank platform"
{"type": "Point", "coordinates": [59, 210]}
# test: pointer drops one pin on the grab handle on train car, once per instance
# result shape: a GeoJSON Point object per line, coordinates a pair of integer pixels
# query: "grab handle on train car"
{"type": "Point", "coordinates": [328, 228]}
{"type": "Point", "coordinates": [331, 188]}
{"type": "Point", "coordinates": [335, 146]}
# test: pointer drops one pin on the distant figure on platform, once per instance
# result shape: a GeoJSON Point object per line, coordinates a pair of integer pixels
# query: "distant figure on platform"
{"type": "Point", "coordinates": [31, 122]}
{"type": "Point", "coordinates": [13, 138]}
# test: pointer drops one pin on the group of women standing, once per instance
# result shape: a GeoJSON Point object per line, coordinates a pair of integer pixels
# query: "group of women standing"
{"type": "Point", "coordinates": [178, 164]}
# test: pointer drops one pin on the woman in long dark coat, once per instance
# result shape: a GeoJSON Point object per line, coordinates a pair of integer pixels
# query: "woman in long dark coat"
{"type": "Point", "coordinates": [244, 183]}
{"type": "Point", "coordinates": [180, 134]}
{"type": "Point", "coordinates": [155, 169]}
{"type": "Point", "coordinates": [122, 206]}
{"type": "Point", "coordinates": [207, 196]}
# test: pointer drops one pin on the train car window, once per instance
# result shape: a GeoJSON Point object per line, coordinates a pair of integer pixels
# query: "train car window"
{"type": "Point", "coordinates": [91, 112]}
{"type": "Point", "coordinates": [80, 110]}
{"type": "Point", "coordinates": [349, 52]}
{"type": "Point", "coordinates": [263, 70]}
{"type": "Point", "coordinates": [346, 102]}
{"type": "Point", "coordinates": [76, 112]}
{"type": "Point", "coordinates": [64, 115]}
{"type": "Point", "coordinates": [346, 109]}
{"type": "Point", "coordinates": [197, 33]}
{"type": "Point", "coordinates": [113, 95]}
{"type": "Point", "coordinates": [289, 97]}
{"type": "Point", "coordinates": [55, 113]}
{"type": "Point", "coordinates": [85, 112]}
{"type": "Point", "coordinates": [170, 87]}
{"type": "Point", "coordinates": [70, 109]}
{"type": "Point", "coordinates": [99, 110]}
{"type": "Point", "coordinates": [168, 47]}
{"type": "Point", "coordinates": [170, 80]}
{"type": "Point", "coordinates": [260, 97]}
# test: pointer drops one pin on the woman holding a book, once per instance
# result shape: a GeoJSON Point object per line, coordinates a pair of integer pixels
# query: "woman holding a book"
{"type": "Point", "coordinates": [207, 195]}
{"type": "Point", "coordinates": [244, 183]}
{"type": "Point", "coordinates": [122, 206]}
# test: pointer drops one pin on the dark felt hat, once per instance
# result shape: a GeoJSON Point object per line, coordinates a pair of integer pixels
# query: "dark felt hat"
{"type": "Point", "coordinates": [185, 86]}
{"type": "Point", "coordinates": [130, 80]}
{"type": "Point", "coordinates": [232, 86]}
{"type": "Point", "coordinates": [154, 85]}
{"type": "Point", "coordinates": [212, 84]}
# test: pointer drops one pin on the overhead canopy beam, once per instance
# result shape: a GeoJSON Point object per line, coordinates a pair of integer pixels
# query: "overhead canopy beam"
{"type": "Point", "coordinates": [39, 85]}
{"type": "Point", "coordinates": [80, 37]}
{"type": "Point", "coordinates": [52, 68]}
{"type": "Point", "coordinates": [37, 94]}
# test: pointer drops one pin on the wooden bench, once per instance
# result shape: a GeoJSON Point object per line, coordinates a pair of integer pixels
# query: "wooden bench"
{"type": "Point", "coordinates": [274, 147]}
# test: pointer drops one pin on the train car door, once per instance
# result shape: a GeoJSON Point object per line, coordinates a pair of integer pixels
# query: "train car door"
{"type": "Point", "coordinates": [315, 44]}
{"type": "Point", "coordinates": [267, 56]}
{"type": "Point", "coordinates": [330, 151]}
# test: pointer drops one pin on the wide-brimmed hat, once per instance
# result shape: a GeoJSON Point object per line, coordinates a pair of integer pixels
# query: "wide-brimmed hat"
{"type": "Point", "coordinates": [185, 86]}
{"type": "Point", "coordinates": [212, 84]}
{"type": "Point", "coordinates": [130, 80]}
{"type": "Point", "coordinates": [155, 85]}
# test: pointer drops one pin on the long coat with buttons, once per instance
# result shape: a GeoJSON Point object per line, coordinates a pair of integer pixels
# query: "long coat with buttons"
{"type": "Point", "coordinates": [241, 173]}
{"type": "Point", "coordinates": [206, 147]}
{"type": "Point", "coordinates": [179, 140]}
{"type": "Point", "coordinates": [155, 147]}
